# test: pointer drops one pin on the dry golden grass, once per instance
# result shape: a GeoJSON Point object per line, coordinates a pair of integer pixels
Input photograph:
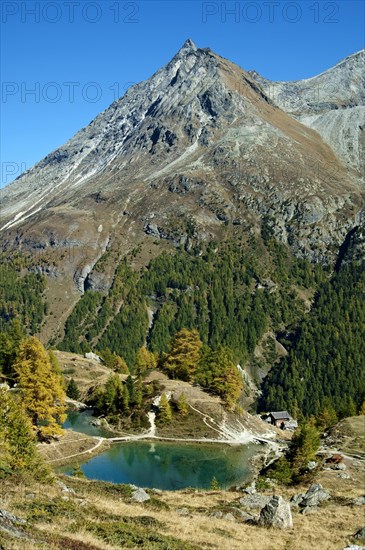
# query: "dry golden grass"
{"type": "Point", "coordinates": [328, 528]}
{"type": "Point", "coordinates": [71, 445]}
{"type": "Point", "coordinates": [85, 372]}
{"type": "Point", "coordinates": [353, 487]}
{"type": "Point", "coordinates": [332, 525]}
{"type": "Point", "coordinates": [349, 436]}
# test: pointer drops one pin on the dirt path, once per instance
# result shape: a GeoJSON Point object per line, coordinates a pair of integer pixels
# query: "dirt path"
{"type": "Point", "coordinates": [101, 440]}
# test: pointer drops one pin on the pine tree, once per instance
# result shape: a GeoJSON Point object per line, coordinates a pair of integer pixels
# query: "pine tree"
{"type": "Point", "coordinates": [281, 471]}
{"type": "Point", "coordinates": [9, 347]}
{"type": "Point", "coordinates": [72, 390]}
{"type": "Point", "coordinates": [41, 388]}
{"type": "Point", "coordinates": [351, 407]}
{"type": "Point", "coordinates": [107, 357]}
{"type": "Point", "coordinates": [145, 360]}
{"type": "Point", "coordinates": [119, 365]}
{"type": "Point", "coordinates": [129, 383]}
{"type": "Point", "coordinates": [214, 485]}
{"type": "Point", "coordinates": [16, 332]}
{"type": "Point", "coordinates": [18, 451]}
{"type": "Point", "coordinates": [7, 355]}
{"type": "Point", "coordinates": [328, 417]}
{"type": "Point", "coordinates": [138, 394]}
{"type": "Point", "coordinates": [183, 358]}
{"type": "Point", "coordinates": [304, 445]}
{"type": "Point", "coordinates": [54, 362]}
{"type": "Point", "coordinates": [164, 414]}
{"type": "Point", "coordinates": [182, 405]}
{"type": "Point", "coordinates": [219, 375]}
{"type": "Point", "coordinates": [111, 394]}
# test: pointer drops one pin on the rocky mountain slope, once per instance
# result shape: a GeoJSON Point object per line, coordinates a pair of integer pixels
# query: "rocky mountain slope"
{"type": "Point", "coordinates": [199, 149]}
{"type": "Point", "coordinates": [332, 103]}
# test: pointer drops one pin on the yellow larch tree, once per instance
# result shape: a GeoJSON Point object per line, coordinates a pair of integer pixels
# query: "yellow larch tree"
{"type": "Point", "coordinates": [145, 360]}
{"type": "Point", "coordinates": [184, 355]}
{"type": "Point", "coordinates": [41, 387]}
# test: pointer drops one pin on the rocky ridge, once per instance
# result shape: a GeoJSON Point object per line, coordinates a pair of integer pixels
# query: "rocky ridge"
{"type": "Point", "coordinates": [332, 103]}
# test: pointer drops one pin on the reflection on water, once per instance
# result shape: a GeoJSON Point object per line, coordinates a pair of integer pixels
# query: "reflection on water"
{"type": "Point", "coordinates": [170, 465]}
{"type": "Point", "coordinates": [81, 422]}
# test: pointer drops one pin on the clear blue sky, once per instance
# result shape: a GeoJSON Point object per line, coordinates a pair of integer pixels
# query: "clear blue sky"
{"type": "Point", "coordinates": [79, 55]}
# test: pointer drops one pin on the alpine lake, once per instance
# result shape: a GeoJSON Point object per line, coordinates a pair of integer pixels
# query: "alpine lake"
{"type": "Point", "coordinates": [162, 465]}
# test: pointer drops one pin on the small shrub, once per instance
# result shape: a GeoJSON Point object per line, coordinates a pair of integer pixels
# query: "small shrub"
{"type": "Point", "coordinates": [77, 472]}
{"type": "Point", "coordinates": [214, 485]}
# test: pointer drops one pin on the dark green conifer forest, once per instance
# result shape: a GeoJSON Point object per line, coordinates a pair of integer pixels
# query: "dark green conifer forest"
{"type": "Point", "coordinates": [217, 291]}
{"type": "Point", "coordinates": [326, 363]}
{"type": "Point", "coordinates": [21, 295]}
{"type": "Point", "coordinates": [233, 295]}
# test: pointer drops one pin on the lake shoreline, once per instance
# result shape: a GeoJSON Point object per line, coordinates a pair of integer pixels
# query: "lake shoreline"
{"type": "Point", "coordinates": [168, 465]}
{"type": "Point", "coordinates": [87, 438]}
{"type": "Point", "coordinates": [102, 443]}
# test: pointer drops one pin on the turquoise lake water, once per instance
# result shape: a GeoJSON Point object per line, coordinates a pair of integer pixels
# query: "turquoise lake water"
{"type": "Point", "coordinates": [170, 466]}
{"type": "Point", "coordinates": [81, 422]}
{"type": "Point", "coordinates": [163, 465]}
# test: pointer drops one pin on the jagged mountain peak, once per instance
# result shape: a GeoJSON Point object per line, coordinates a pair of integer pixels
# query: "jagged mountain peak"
{"type": "Point", "coordinates": [199, 140]}
{"type": "Point", "coordinates": [193, 91]}
{"type": "Point", "coordinates": [188, 45]}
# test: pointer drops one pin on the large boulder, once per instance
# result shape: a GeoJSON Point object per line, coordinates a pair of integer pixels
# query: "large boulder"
{"type": "Point", "coordinates": [9, 524]}
{"type": "Point", "coordinates": [276, 513]}
{"type": "Point", "coordinates": [314, 496]}
{"type": "Point", "coordinates": [92, 356]}
{"type": "Point", "coordinates": [140, 495]}
{"type": "Point", "coordinates": [64, 488]}
{"type": "Point", "coordinates": [296, 500]}
{"type": "Point", "coordinates": [339, 466]}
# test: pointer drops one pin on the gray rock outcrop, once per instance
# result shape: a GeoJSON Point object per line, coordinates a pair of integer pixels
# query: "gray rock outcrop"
{"type": "Point", "coordinates": [250, 489]}
{"type": "Point", "coordinates": [358, 501]}
{"type": "Point", "coordinates": [254, 500]}
{"type": "Point", "coordinates": [93, 357]}
{"type": "Point", "coordinates": [64, 488]}
{"type": "Point", "coordinates": [218, 514]}
{"type": "Point", "coordinates": [314, 496]}
{"type": "Point", "coordinates": [10, 518]}
{"type": "Point", "coordinates": [140, 495]}
{"type": "Point", "coordinates": [332, 103]}
{"type": "Point", "coordinates": [340, 466]}
{"type": "Point", "coordinates": [277, 514]}
{"type": "Point", "coordinates": [184, 512]}
{"type": "Point", "coordinates": [10, 524]}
